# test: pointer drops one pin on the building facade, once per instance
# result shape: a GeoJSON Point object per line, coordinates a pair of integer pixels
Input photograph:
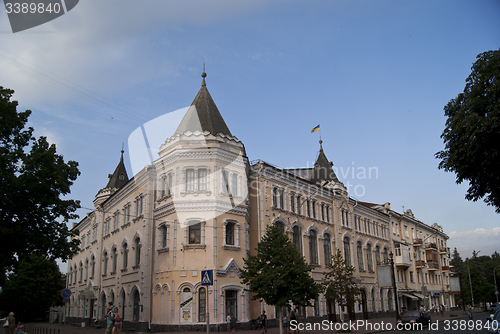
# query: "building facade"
{"type": "Point", "coordinates": [202, 206]}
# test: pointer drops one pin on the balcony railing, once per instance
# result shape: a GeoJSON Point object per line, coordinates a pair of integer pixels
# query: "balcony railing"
{"type": "Point", "coordinates": [419, 263]}
{"type": "Point", "coordinates": [443, 250]}
{"type": "Point", "coordinates": [431, 245]}
{"type": "Point", "coordinates": [417, 242]}
{"type": "Point", "coordinates": [445, 268]}
{"type": "Point", "coordinates": [432, 266]}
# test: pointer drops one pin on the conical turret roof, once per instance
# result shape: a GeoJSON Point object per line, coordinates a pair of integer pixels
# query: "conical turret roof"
{"type": "Point", "coordinates": [323, 170]}
{"type": "Point", "coordinates": [203, 115]}
{"type": "Point", "coordinates": [119, 177]}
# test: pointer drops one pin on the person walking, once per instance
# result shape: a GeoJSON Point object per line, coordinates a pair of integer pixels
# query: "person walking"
{"type": "Point", "coordinates": [263, 319]}
{"type": "Point", "coordinates": [228, 320]}
{"type": "Point", "coordinates": [233, 323]}
{"type": "Point", "coordinates": [110, 319]}
{"type": "Point", "coordinates": [12, 324]}
{"type": "Point", "coordinates": [118, 321]}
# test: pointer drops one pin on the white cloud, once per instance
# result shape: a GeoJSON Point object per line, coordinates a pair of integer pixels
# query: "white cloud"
{"type": "Point", "coordinates": [484, 240]}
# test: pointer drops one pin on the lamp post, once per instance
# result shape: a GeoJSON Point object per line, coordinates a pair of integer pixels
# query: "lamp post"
{"type": "Point", "coordinates": [495, 278]}
{"type": "Point", "coordinates": [391, 261]}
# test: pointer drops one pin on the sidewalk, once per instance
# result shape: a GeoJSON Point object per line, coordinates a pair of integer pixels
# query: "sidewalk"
{"type": "Point", "coordinates": [369, 326]}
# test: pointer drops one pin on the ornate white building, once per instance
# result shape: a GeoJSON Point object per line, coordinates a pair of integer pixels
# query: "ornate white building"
{"type": "Point", "coordinates": [202, 206]}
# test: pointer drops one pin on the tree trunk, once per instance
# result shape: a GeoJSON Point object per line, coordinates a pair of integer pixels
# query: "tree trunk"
{"type": "Point", "coordinates": [280, 320]}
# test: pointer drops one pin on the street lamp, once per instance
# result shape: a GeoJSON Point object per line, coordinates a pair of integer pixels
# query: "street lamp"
{"type": "Point", "coordinates": [495, 278]}
{"type": "Point", "coordinates": [391, 261]}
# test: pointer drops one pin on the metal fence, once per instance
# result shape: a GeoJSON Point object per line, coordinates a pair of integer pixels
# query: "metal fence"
{"type": "Point", "coordinates": [41, 330]}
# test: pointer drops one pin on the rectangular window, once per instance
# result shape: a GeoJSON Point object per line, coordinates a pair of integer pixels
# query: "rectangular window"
{"type": "Point", "coordinates": [230, 234]}
{"type": "Point", "coordinates": [328, 214]}
{"type": "Point", "coordinates": [225, 182]}
{"type": "Point", "coordinates": [281, 198]}
{"type": "Point", "coordinates": [202, 179]}
{"type": "Point", "coordinates": [189, 179]}
{"type": "Point", "coordinates": [169, 184]}
{"type": "Point", "coordinates": [292, 203]}
{"type": "Point", "coordinates": [314, 209]}
{"type": "Point", "coordinates": [234, 185]}
{"type": "Point", "coordinates": [299, 199]}
{"type": "Point", "coordinates": [195, 234]}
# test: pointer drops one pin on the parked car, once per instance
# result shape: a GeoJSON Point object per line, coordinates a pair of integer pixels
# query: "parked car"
{"type": "Point", "coordinates": [494, 325]}
{"type": "Point", "coordinates": [493, 307]}
{"type": "Point", "coordinates": [421, 317]}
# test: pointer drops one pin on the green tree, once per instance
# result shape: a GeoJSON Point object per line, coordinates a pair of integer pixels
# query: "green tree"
{"type": "Point", "coordinates": [472, 132]}
{"type": "Point", "coordinates": [278, 274]}
{"type": "Point", "coordinates": [33, 177]}
{"type": "Point", "coordinates": [32, 288]}
{"type": "Point", "coordinates": [340, 284]}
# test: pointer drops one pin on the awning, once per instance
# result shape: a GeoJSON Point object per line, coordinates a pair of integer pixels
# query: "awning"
{"type": "Point", "coordinates": [419, 295]}
{"type": "Point", "coordinates": [410, 296]}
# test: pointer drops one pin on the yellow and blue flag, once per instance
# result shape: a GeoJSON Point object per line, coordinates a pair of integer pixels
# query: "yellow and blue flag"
{"type": "Point", "coordinates": [316, 129]}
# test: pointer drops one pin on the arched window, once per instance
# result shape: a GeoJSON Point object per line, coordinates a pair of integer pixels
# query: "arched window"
{"type": "Point", "coordinates": [382, 306]}
{"type": "Point", "coordinates": [369, 261]}
{"type": "Point", "coordinates": [377, 255]}
{"type": "Point", "coordinates": [359, 253]}
{"type": "Point", "coordinates": [296, 238]}
{"type": "Point", "coordinates": [280, 225]}
{"type": "Point", "coordinates": [92, 266]}
{"type": "Point", "coordinates": [328, 250]}
{"type": "Point", "coordinates": [114, 255]}
{"type": "Point", "coordinates": [135, 305]}
{"type": "Point", "coordinates": [137, 246]}
{"type": "Point", "coordinates": [374, 304]}
{"type": "Point", "coordinates": [202, 304]}
{"type": "Point", "coordinates": [125, 255]}
{"type": "Point", "coordinates": [299, 204]}
{"type": "Point", "coordinates": [105, 264]}
{"type": "Point", "coordinates": [386, 255]}
{"type": "Point", "coordinates": [86, 269]}
{"type": "Point", "coordinates": [313, 247]}
{"type": "Point", "coordinates": [347, 251]}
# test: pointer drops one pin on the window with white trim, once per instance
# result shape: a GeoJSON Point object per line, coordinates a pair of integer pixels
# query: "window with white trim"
{"type": "Point", "coordinates": [231, 235]}
{"type": "Point", "coordinates": [194, 234]}
{"type": "Point", "coordinates": [189, 180]}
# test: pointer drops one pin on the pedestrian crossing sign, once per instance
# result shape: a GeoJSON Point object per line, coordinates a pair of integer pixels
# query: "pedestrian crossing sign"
{"type": "Point", "coordinates": [207, 277]}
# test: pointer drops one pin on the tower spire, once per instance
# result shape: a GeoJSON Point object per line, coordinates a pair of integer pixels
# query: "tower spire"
{"type": "Point", "coordinates": [203, 75]}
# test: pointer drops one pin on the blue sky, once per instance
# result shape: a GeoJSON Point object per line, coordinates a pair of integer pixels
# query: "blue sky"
{"type": "Point", "coordinates": [375, 74]}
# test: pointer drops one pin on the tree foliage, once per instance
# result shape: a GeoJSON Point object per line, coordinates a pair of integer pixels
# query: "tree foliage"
{"type": "Point", "coordinates": [32, 288]}
{"type": "Point", "coordinates": [278, 274]}
{"type": "Point", "coordinates": [472, 132]}
{"type": "Point", "coordinates": [33, 178]}
{"type": "Point", "coordinates": [481, 275]}
{"type": "Point", "coordinates": [340, 283]}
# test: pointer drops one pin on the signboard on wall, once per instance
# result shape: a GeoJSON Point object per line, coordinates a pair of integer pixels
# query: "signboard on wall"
{"type": "Point", "coordinates": [384, 276]}
{"type": "Point", "coordinates": [454, 284]}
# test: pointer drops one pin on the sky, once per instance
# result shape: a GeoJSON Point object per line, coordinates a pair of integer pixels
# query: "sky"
{"type": "Point", "coordinates": [375, 74]}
